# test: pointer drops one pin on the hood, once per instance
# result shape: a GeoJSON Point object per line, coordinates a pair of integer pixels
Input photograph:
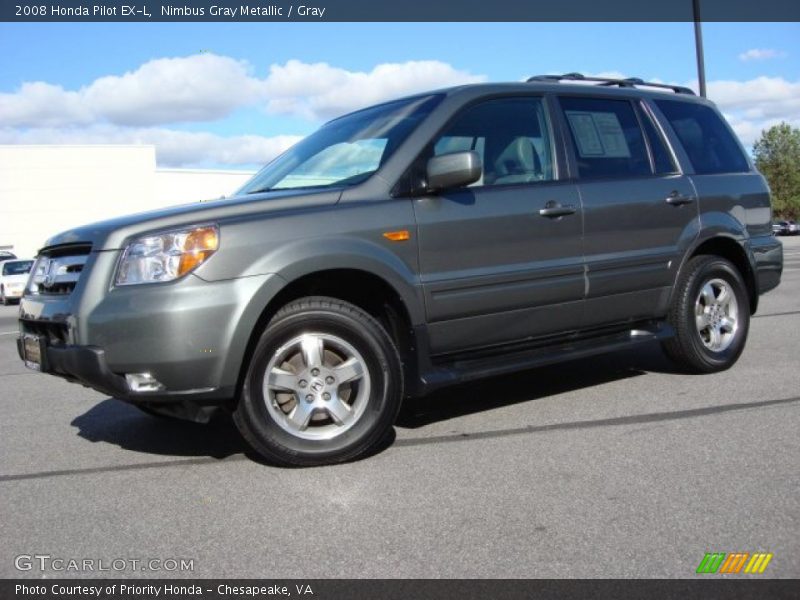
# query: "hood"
{"type": "Point", "coordinates": [113, 233]}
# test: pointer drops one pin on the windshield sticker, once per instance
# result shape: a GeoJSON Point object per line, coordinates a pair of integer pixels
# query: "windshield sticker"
{"type": "Point", "coordinates": [585, 132]}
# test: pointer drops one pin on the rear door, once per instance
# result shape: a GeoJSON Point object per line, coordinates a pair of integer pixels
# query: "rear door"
{"type": "Point", "coordinates": [501, 260]}
{"type": "Point", "coordinates": [722, 175]}
{"type": "Point", "coordinates": [640, 212]}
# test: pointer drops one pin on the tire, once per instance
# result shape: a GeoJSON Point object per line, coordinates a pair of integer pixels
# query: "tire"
{"type": "Point", "coordinates": [334, 389]}
{"type": "Point", "coordinates": [710, 314]}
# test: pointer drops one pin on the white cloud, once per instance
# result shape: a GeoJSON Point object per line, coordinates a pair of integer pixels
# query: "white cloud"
{"type": "Point", "coordinates": [759, 98]}
{"type": "Point", "coordinates": [754, 105]}
{"type": "Point", "coordinates": [609, 75]}
{"type": "Point", "coordinates": [761, 54]}
{"type": "Point", "coordinates": [42, 104]}
{"type": "Point", "coordinates": [202, 87]}
{"type": "Point", "coordinates": [207, 87]}
{"type": "Point", "coordinates": [320, 91]}
{"type": "Point", "coordinates": [126, 108]}
{"type": "Point", "coordinates": [749, 131]}
{"type": "Point", "coordinates": [173, 148]}
{"type": "Point", "coordinates": [129, 108]}
{"type": "Point", "coordinates": [166, 90]}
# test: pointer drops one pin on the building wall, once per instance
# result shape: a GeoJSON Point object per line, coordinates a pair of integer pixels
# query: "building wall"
{"type": "Point", "coordinates": [179, 186]}
{"type": "Point", "coordinates": [47, 189]}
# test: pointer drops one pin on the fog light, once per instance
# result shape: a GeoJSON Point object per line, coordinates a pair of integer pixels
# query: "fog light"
{"type": "Point", "coordinates": [143, 382]}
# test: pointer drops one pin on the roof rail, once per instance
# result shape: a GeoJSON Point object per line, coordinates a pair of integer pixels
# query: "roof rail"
{"type": "Point", "coordinates": [608, 81]}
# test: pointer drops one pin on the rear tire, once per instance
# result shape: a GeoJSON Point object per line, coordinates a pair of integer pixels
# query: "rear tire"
{"type": "Point", "coordinates": [324, 385]}
{"type": "Point", "coordinates": [710, 314]}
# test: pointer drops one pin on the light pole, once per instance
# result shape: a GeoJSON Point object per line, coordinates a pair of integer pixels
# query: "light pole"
{"type": "Point", "coordinates": [698, 42]}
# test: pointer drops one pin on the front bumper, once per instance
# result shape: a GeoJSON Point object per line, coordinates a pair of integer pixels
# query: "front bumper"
{"type": "Point", "coordinates": [13, 293]}
{"type": "Point", "coordinates": [88, 365]}
{"type": "Point", "coordinates": [191, 335]}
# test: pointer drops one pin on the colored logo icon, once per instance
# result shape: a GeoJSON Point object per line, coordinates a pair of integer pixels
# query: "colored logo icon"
{"type": "Point", "coordinates": [735, 562]}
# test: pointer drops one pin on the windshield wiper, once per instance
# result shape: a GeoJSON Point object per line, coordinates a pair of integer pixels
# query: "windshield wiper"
{"type": "Point", "coordinates": [296, 187]}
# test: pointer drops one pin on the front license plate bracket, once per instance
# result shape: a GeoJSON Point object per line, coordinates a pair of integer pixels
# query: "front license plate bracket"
{"type": "Point", "coordinates": [33, 348]}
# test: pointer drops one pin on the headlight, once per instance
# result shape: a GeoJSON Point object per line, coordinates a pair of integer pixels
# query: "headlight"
{"type": "Point", "coordinates": [167, 256]}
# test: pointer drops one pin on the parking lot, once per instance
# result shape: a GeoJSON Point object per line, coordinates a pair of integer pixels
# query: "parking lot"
{"type": "Point", "coordinates": [615, 466]}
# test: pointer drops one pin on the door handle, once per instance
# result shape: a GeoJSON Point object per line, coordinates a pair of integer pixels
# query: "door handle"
{"type": "Point", "coordinates": [677, 199]}
{"type": "Point", "coordinates": [553, 210]}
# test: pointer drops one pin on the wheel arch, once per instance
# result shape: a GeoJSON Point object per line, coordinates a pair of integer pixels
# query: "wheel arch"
{"type": "Point", "coordinates": [730, 248]}
{"type": "Point", "coordinates": [372, 292]}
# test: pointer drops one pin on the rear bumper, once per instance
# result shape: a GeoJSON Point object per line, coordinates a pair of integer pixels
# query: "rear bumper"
{"type": "Point", "coordinates": [767, 253]}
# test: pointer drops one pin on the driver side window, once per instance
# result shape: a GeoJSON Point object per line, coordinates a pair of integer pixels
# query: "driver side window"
{"type": "Point", "coordinates": [510, 135]}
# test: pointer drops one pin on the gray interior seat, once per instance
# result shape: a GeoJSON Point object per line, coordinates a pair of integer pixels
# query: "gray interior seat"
{"type": "Point", "coordinates": [518, 163]}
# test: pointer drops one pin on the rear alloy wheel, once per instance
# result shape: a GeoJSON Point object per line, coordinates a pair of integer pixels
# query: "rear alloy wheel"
{"type": "Point", "coordinates": [324, 385]}
{"type": "Point", "coordinates": [710, 314]}
{"type": "Point", "coordinates": [717, 315]}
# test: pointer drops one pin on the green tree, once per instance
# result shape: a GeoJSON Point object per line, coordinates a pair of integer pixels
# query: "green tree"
{"type": "Point", "coordinates": [777, 156]}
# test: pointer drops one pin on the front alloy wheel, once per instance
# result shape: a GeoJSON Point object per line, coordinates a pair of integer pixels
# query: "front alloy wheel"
{"type": "Point", "coordinates": [317, 386]}
{"type": "Point", "coordinates": [323, 386]}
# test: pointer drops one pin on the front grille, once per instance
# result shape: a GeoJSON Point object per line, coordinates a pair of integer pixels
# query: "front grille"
{"type": "Point", "coordinates": [58, 269]}
{"type": "Point", "coordinates": [57, 334]}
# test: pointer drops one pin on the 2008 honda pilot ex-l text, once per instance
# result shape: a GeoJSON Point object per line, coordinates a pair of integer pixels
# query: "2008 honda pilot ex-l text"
{"type": "Point", "coordinates": [426, 241]}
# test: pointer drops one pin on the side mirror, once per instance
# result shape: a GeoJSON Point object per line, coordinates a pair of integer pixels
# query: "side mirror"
{"type": "Point", "coordinates": [453, 170]}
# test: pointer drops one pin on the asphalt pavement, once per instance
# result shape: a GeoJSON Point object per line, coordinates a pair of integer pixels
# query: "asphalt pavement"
{"type": "Point", "coordinates": [615, 466]}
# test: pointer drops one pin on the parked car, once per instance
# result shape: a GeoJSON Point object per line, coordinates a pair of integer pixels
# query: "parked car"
{"type": "Point", "coordinates": [13, 276]}
{"type": "Point", "coordinates": [423, 242]}
{"type": "Point", "coordinates": [6, 255]}
{"type": "Point", "coordinates": [785, 228]}
{"type": "Point", "coordinates": [780, 228]}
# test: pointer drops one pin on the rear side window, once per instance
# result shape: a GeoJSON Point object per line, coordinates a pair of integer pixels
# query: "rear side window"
{"type": "Point", "coordinates": [705, 137]}
{"type": "Point", "coordinates": [607, 138]}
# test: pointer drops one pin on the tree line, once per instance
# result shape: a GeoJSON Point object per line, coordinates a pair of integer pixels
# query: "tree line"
{"type": "Point", "coordinates": [777, 156]}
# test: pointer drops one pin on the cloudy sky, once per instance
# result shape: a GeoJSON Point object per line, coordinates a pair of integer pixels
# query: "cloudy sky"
{"type": "Point", "coordinates": [234, 95]}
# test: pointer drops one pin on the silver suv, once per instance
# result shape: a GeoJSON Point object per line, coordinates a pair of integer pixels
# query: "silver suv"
{"type": "Point", "coordinates": [426, 241]}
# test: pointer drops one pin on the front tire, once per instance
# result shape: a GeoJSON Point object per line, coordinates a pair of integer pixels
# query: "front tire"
{"type": "Point", "coordinates": [710, 314]}
{"type": "Point", "coordinates": [324, 385]}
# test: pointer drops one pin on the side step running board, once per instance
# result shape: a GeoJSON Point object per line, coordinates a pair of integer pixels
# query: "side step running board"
{"type": "Point", "coordinates": [465, 369]}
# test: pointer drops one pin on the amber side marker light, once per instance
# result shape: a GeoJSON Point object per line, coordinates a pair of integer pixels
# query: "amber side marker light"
{"type": "Point", "coordinates": [398, 236]}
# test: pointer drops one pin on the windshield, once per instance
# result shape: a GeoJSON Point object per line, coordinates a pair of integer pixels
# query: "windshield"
{"type": "Point", "coordinates": [345, 151]}
{"type": "Point", "coordinates": [19, 267]}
